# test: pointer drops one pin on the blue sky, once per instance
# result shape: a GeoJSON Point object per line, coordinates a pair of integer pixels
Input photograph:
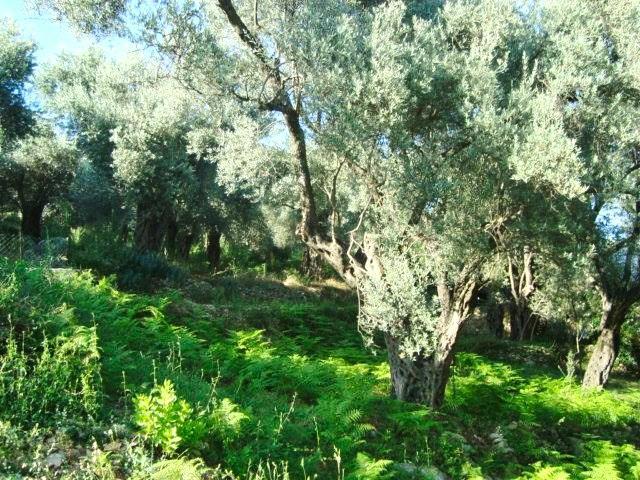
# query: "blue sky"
{"type": "Point", "coordinates": [53, 37]}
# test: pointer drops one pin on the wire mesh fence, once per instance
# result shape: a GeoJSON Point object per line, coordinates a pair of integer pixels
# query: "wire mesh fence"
{"type": "Point", "coordinates": [13, 246]}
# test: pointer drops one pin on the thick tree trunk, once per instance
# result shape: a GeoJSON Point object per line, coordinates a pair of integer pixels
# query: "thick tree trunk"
{"type": "Point", "coordinates": [495, 319]}
{"type": "Point", "coordinates": [214, 251]}
{"type": "Point", "coordinates": [419, 379]}
{"type": "Point", "coordinates": [607, 346]}
{"type": "Point", "coordinates": [311, 265]}
{"type": "Point", "coordinates": [299, 151]}
{"type": "Point", "coordinates": [150, 228]}
{"type": "Point", "coordinates": [184, 244]}
{"type": "Point", "coordinates": [31, 223]}
{"type": "Point", "coordinates": [423, 378]}
{"type": "Point", "coordinates": [520, 321]}
{"type": "Point", "coordinates": [522, 284]}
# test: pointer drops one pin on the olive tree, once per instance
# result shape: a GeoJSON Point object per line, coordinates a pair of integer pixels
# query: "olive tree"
{"type": "Point", "coordinates": [436, 135]}
{"type": "Point", "coordinates": [84, 93]}
{"type": "Point", "coordinates": [151, 151]}
{"type": "Point", "coordinates": [38, 170]}
{"type": "Point", "coordinates": [16, 67]}
{"type": "Point", "coordinates": [401, 120]}
{"type": "Point", "coordinates": [411, 115]}
{"type": "Point", "coordinates": [591, 69]}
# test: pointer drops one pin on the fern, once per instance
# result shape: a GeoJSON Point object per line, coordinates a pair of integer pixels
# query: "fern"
{"type": "Point", "coordinates": [178, 469]}
{"type": "Point", "coordinates": [547, 473]}
{"type": "Point", "coordinates": [368, 468]}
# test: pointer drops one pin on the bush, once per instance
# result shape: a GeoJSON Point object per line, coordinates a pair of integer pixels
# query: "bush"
{"type": "Point", "coordinates": [629, 357]}
{"type": "Point", "coordinates": [145, 270]}
{"type": "Point", "coordinates": [162, 417]}
{"type": "Point", "coordinates": [100, 251]}
{"type": "Point", "coordinates": [168, 422]}
{"type": "Point", "coordinates": [61, 381]}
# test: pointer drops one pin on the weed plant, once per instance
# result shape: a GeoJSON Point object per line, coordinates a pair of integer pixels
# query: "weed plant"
{"type": "Point", "coordinates": [262, 383]}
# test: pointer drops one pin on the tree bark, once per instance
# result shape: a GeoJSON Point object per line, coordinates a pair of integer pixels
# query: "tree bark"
{"type": "Point", "coordinates": [607, 346]}
{"type": "Point", "coordinates": [213, 251]}
{"type": "Point", "coordinates": [423, 378]}
{"type": "Point", "coordinates": [31, 222]}
{"type": "Point", "coordinates": [150, 228]}
{"type": "Point", "coordinates": [522, 283]}
{"type": "Point", "coordinates": [311, 264]}
{"type": "Point", "coordinates": [520, 320]}
{"type": "Point", "coordinates": [332, 249]}
{"type": "Point", "coordinates": [184, 244]}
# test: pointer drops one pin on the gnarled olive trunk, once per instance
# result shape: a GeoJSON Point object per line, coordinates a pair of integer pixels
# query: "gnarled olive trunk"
{"type": "Point", "coordinates": [607, 346]}
{"type": "Point", "coordinates": [31, 223]}
{"type": "Point", "coordinates": [420, 379]}
{"type": "Point", "coordinates": [214, 251]}
{"type": "Point", "coordinates": [151, 227]}
{"type": "Point", "coordinates": [521, 321]}
{"type": "Point", "coordinates": [423, 378]}
{"type": "Point", "coordinates": [311, 265]}
{"type": "Point", "coordinates": [522, 283]}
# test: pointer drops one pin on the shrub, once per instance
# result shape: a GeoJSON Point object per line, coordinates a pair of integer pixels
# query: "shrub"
{"type": "Point", "coordinates": [144, 270]}
{"type": "Point", "coordinates": [629, 358]}
{"type": "Point", "coordinates": [100, 251]}
{"type": "Point", "coordinates": [169, 422]}
{"type": "Point", "coordinates": [61, 381]}
{"type": "Point", "coordinates": [162, 417]}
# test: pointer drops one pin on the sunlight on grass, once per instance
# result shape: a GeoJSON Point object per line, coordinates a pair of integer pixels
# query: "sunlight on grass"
{"type": "Point", "coordinates": [304, 396]}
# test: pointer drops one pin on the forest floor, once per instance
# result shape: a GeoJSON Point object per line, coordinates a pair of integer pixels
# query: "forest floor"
{"type": "Point", "coordinates": [281, 369]}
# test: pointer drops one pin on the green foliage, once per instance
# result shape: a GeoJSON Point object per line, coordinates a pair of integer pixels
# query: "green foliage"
{"type": "Point", "coordinates": [225, 420]}
{"type": "Point", "coordinates": [629, 357]}
{"type": "Point", "coordinates": [269, 379]}
{"type": "Point", "coordinates": [430, 140]}
{"type": "Point", "coordinates": [370, 469]}
{"type": "Point", "coordinates": [16, 66]}
{"type": "Point", "coordinates": [179, 469]}
{"type": "Point", "coordinates": [99, 250]}
{"type": "Point", "coordinates": [36, 171]}
{"type": "Point", "coordinates": [59, 382]}
{"type": "Point", "coordinates": [169, 422]}
{"type": "Point", "coordinates": [162, 417]}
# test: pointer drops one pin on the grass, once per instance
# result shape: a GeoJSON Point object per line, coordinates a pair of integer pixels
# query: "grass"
{"type": "Point", "coordinates": [276, 380]}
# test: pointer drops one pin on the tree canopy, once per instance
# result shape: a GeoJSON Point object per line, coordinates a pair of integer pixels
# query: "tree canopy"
{"type": "Point", "coordinates": [437, 149]}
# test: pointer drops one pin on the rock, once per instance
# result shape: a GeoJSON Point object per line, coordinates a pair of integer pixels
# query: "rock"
{"type": "Point", "coordinates": [55, 460]}
{"type": "Point", "coordinates": [112, 446]}
{"type": "Point", "coordinates": [432, 473]}
{"type": "Point", "coordinates": [201, 292]}
{"type": "Point", "coordinates": [424, 473]}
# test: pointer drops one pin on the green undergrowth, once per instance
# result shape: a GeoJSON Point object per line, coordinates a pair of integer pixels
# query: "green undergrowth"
{"type": "Point", "coordinates": [272, 382]}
